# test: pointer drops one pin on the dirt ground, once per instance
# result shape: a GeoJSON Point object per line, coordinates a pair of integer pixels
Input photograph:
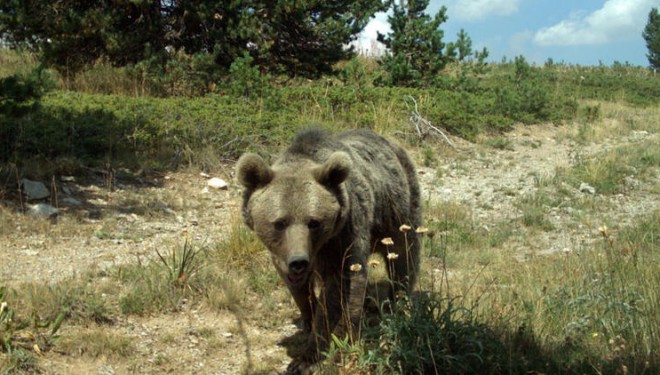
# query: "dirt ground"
{"type": "Point", "coordinates": [153, 213]}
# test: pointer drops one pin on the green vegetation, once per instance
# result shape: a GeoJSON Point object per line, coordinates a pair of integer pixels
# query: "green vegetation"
{"type": "Point", "coordinates": [415, 42]}
{"type": "Point", "coordinates": [302, 38]}
{"type": "Point", "coordinates": [427, 334]}
{"type": "Point", "coordinates": [534, 210]}
{"type": "Point", "coordinates": [21, 335]}
{"type": "Point", "coordinates": [615, 171]}
{"type": "Point", "coordinates": [100, 342]}
{"type": "Point", "coordinates": [651, 35]}
{"type": "Point", "coordinates": [500, 143]}
{"type": "Point", "coordinates": [158, 285]}
{"type": "Point", "coordinates": [592, 307]}
{"type": "Point", "coordinates": [169, 132]}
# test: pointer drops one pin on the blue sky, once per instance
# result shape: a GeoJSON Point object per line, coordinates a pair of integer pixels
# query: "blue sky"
{"type": "Point", "coordinates": [583, 32]}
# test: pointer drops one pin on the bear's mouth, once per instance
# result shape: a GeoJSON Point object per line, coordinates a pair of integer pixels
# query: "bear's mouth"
{"type": "Point", "coordinates": [296, 279]}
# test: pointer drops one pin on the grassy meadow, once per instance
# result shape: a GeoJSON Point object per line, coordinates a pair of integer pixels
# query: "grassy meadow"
{"type": "Point", "coordinates": [481, 307]}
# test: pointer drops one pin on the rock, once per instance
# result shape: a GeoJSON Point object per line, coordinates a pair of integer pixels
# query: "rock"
{"type": "Point", "coordinates": [163, 207]}
{"type": "Point", "coordinates": [43, 210]}
{"type": "Point", "coordinates": [587, 189]}
{"type": "Point", "coordinates": [68, 201]}
{"type": "Point", "coordinates": [217, 183]}
{"type": "Point", "coordinates": [631, 182]}
{"type": "Point", "coordinates": [34, 189]}
{"type": "Point", "coordinates": [105, 370]}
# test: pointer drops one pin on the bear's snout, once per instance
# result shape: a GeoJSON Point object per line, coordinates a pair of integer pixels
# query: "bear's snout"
{"type": "Point", "coordinates": [298, 264]}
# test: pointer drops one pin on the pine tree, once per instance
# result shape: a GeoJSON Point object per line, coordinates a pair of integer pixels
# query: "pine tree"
{"type": "Point", "coordinates": [72, 34]}
{"type": "Point", "coordinates": [652, 36]}
{"type": "Point", "coordinates": [463, 46]}
{"type": "Point", "coordinates": [294, 37]}
{"type": "Point", "coordinates": [415, 43]}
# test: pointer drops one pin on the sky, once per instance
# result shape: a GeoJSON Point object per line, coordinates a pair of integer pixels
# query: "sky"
{"type": "Point", "coordinates": [581, 32]}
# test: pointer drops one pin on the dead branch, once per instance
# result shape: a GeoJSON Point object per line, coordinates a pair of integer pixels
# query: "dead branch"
{"type": "Point", "coordinates": [422, 125]}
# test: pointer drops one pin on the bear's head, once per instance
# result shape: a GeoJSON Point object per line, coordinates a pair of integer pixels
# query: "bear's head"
{"type": "Point", "coordinates": [294, 207]}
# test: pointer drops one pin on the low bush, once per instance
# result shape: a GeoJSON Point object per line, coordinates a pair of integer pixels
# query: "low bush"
{"type": "Point", "coordinates": [426, 334]}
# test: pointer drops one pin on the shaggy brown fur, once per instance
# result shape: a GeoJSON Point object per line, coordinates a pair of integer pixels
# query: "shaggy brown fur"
{"type": "Point", "coordinates": [321, 209]}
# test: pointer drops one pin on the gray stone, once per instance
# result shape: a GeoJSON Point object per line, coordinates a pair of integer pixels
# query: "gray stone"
{"type": "Point", "coordinates": [43, 210]}
{"type": "Point", "coordinates": [34, 189]}
{"type": "Point", "coordinates": [217, 183]}
{"type": "Point", "coordinates": [105, 370]}
{"type": "Point", "coordinates": [72, 202]}
{"type": "Point", "coordinates": [163, 207]}
{"type": "Point", "coordinates": [587, 189]}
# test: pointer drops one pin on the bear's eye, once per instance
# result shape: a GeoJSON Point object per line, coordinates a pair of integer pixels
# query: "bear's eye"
{"type": "Point", "coordinates": [314, 224]}
{"type": "Point", "coordinates": [280, 225]}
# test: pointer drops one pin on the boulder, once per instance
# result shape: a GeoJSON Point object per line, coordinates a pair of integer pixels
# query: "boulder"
{"type": "Point", "coordinates": [34, 190]}
{"type": "Point", "coordinates": [217, 183]}
{"type": "Point", "coordinates": [43, 210]}
{"type": "Point", "coordinates": [587, 189]}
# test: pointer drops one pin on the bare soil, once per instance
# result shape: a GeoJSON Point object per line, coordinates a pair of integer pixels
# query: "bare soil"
{"type": "Point", "coordinates": [154, 212]}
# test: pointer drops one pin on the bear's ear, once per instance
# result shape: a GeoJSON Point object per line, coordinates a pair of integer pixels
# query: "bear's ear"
{"type": "Point", "coordinates": [334, 171]}
{"type": "Point", "coordinates": [252, 171]}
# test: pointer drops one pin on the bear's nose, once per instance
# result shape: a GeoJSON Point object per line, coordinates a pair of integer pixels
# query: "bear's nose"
{"type": "Point", "coordinates": [298, 264]}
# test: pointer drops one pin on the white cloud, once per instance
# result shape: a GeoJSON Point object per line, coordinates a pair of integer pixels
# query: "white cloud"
{"type": "Point", "coordinates": [616, 20]}
{"type": "Point", "coordinates": [367, 40]}
{"type": "Point", "coordinates": [469, 10]}
{"type": "Point", "coordinates": [378, 24]}
{"type": "Point", "coordinates": [461, 9]}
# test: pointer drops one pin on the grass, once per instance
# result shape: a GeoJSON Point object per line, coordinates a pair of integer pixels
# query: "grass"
{"type": "Point", "coordinates": [581, 300]}
{"type": "Point", "coordinates": [454, 225]}
{"type": "Point", "coordinates": [590, 310]}
{"type": "Point", "coordinates": [428, 334]}
{"type": "Point", "coordinates": [12, 62]}
{"type": "Point", "coordinates": [98, 342]}
{"type": "Point", "coordinates": [614, 171]}
{"type": "Point", "coordinates": [18, 361]}
{"type": "Point", "coordinates": [499, 143]}
{"type": "Point", "coordinates": [534, 207]}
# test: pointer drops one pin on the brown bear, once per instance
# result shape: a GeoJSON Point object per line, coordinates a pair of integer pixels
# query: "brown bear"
{"type": "Point", "coordinates": [321, 209]}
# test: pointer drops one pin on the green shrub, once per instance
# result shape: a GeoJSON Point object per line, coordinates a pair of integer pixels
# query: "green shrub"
{"type": "Point", "coordinates": [426, 334]}
{"type": "Point", "coordinates": [167, 132]}
{"type": "Point", "coordinates": [19, 97]}
{"type": "Point", "coordinates": [160, 284]}
{"type": "Point", "coordinates": [245, 80]}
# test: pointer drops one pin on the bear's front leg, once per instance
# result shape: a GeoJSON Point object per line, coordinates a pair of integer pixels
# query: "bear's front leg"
{"type": "Point", "coordinates": [354, 300]}
{"type": "Point", "coordinates": [305, 299]}
{"type": "Point", "coordinates": [339, 312]}
{"type": "Point", "coordinates": [327, 315]}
